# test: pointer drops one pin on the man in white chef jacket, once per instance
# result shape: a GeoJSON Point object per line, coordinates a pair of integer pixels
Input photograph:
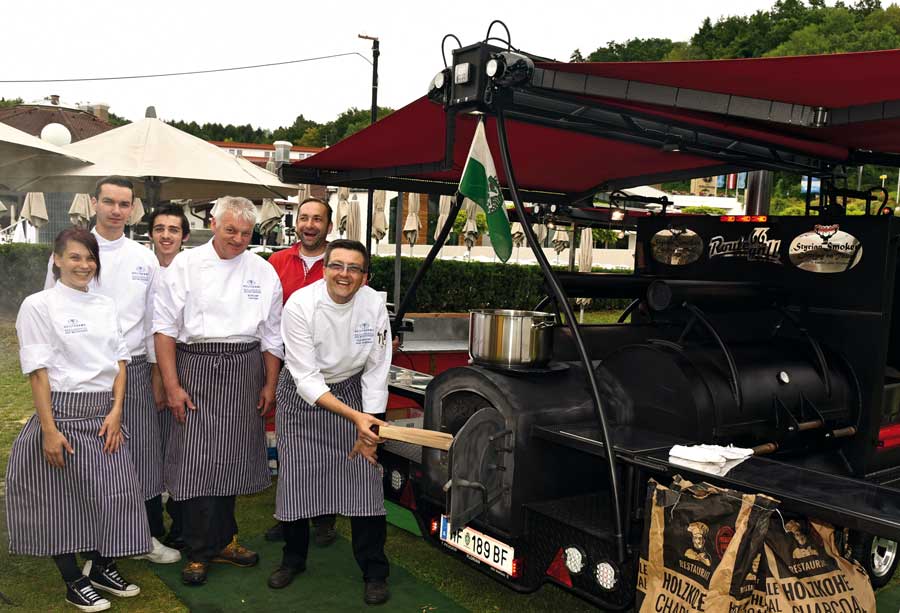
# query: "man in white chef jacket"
{"type": "Point", "coordinates": [130, 272]}
{"type": "Point", "coordinates": [332, 390]}
{"type": "Point", "coordinates": [218, 343]}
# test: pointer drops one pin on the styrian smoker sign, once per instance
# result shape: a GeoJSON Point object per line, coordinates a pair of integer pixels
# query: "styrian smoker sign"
{"type": "Point", "coordinates": [826, 249]}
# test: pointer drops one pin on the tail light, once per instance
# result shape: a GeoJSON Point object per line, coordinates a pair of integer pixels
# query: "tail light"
{"type": "Point", "coordinates": [516, 568]}
{"type": "Point", "coordinates": [435, 524]}
{"type": "Point", "coordinates": [557, 569]}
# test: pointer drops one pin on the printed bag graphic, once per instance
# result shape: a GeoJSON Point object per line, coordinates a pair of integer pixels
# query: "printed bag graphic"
{"type": "Point", "coordinates": [803, 571]}
{"type": "Point", "coordinates": [699, 544]}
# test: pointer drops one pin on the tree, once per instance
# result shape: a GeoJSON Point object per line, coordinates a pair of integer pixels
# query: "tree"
{"type": "Point", "coordinates": [4, 103]}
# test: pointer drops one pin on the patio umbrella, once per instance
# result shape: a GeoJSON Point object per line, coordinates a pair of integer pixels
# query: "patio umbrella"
{"type": "Point", "coordinates": [411, 226]}
{"type": "Point", "coordinates": [354, 225]}
{"type": "Point", "coordinates": [269, 217]}
{"type": "Point", "coordinates": [446, 203]}
{"type": "Point", "coordinates": [379, 222]}
{"type": "Point", "coordinates": [80, 211]}
{"type": "Point", "coordinates": [137, 212]}
{"type": "Point", "coordinates": [518, 236]}
{"type": "Point", "coordinates": [470, 229]}
{"type": "Point", "coordinates": [3, 208]}
{"type": "Point", "coordinates": [343, 208]}
{"type": "Point", "coordinates": [24, 157]}
{"type": "Point", "coordinates": [166, 162]}
{"type": "Point", "coordinates": [585, 263]}
{"type": "Point", "coordinates": [35, 209]}
{"type": "Point", "coordinates": [302, 192]}
{"type": "Point", "coordinates": [540, 232]}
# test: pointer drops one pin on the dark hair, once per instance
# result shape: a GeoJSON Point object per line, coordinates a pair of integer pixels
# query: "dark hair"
{"type": "Point", "coordinates": [114, 180]}
{"type": "Point", "coordinates": [345, 243]}
{"type": "Point", "coordinates": [78, 235]}
{"type": "Point", "coordinates": [320, 201]}
{"type": "Point", "coordinates": [169, 209]}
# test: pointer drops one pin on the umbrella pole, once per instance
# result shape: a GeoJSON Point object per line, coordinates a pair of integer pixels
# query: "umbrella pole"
{"type": "Point", "coordinates": [369, 206]}
{"type": "Point", "coordinates": [398, 248]}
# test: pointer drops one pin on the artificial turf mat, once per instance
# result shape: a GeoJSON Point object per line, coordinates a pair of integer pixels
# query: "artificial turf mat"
{"type": "Point", "coordinates": [332, 583]}
{"type": "Point", "coordinates": [402, 518]}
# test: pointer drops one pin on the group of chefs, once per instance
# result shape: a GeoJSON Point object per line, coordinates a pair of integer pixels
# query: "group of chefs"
{"type": "Point", "coordinates": [157, 375]}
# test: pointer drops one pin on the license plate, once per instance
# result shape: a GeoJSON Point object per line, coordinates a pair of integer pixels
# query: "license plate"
{"type": "Point", "coordinates": [479, 546]}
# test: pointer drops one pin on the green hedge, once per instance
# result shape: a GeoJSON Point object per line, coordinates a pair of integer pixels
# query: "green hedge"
{"type": "Point", "coordinates": [450, 285]}
{"type": "Point", "coordinates": [23, 268]}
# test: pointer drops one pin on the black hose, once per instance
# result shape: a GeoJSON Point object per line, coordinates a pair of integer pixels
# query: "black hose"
{"type": "Point", "coordinates": [401, 308]}
{"type": "Point", "coordinates": [563, 303]}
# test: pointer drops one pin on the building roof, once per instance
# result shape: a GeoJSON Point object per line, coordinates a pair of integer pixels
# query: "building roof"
{"type": "Point", "coordinates": [32, 118]}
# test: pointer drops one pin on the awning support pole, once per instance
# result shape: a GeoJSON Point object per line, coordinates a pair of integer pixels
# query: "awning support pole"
{"type": "Point", "coordinates": [563, 302]}
{"type": "Point", "coordinates": [398, 249]}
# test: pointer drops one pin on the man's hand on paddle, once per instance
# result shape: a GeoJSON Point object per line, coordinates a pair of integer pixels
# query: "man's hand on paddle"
{"type": "Point", "coordinates": [364, 423]}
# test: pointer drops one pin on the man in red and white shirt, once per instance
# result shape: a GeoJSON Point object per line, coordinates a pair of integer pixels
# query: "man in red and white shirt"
{"type": "Point", "coordinates": [298, 266]}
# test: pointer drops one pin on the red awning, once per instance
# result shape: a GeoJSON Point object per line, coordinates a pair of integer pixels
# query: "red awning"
{"type": "Point", "coordinates": [410, 143]}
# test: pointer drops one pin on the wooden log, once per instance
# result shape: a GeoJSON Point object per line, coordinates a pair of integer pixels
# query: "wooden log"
{"type": "Point", "coordinates": [417, 436]}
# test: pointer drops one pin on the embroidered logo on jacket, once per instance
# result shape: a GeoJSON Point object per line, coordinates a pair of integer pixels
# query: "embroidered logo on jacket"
{"type": "Point", "coordinates": [140, 273]}
{"type": "Point", "coordinates": [252, 290]}
{"type": "Point", "coordinates": [73, 326]}
{"type": "Point", "coordinates": [364, 334]}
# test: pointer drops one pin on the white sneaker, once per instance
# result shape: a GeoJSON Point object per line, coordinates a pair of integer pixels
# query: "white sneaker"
{"type": "Point", "coordinates": [160, 554]}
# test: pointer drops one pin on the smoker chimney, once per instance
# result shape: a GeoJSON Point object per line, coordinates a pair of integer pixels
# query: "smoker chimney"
{"type": "Point", "coordinates": [101, 111]}
{"type": "Point", "coordinates": [282, 152]}
{"type": "Point", "coordinates": [150, 112]}
{"type": "Point", "coordinates": [759, 192]}
{"type": "Point", "coordinates": [54, 99]}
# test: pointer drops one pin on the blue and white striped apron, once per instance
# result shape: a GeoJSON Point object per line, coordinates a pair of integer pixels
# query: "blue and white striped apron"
{"type": "Point", "coordinates": [93, 503]}
{"type": "Point", "coordinates": [139, 416]}
{"type": "Point", "coordinates": [220, 450]}
{"type": "Point", "coordinates": [314, 475]}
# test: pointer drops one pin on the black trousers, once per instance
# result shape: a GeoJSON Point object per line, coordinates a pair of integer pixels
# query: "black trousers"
{"type": "Point", "coordinates": [368, 535]}
{"type": "Point", "coordinates": [208, 524]}
{"type": "Point", "coordinates": [155, 517]}
{"type": "Point", "coordinates": [173, 508]}
{"type": "Point", "coordinates": [67, 564]}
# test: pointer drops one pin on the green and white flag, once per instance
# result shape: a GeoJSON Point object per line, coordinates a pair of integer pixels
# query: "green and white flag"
{"type": "Point", "coordinates": [480, 184]}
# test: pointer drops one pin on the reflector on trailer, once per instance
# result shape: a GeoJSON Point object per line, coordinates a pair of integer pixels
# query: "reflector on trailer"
{"type": "Point", "coordinates": [557, 569]}
{"type": "Point", "coordinates": [434, 525]}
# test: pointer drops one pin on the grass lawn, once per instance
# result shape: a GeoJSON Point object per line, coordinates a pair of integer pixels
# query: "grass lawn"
{"type": "Point", "coordinates": [33, 584]}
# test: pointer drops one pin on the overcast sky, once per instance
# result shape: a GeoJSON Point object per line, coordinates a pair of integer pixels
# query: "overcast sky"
{"type": "Point", "coordinates": [91, 38]}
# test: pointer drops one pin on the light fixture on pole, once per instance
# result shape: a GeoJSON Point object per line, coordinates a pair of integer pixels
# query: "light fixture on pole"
{"type": "Point", "coordinates": [374, 117]}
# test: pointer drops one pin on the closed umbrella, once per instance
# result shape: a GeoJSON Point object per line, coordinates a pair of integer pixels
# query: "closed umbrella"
{"type": "Point", "coordinates": [411, 225]}
{"type": "Point", "coordinates": [518, 236]}
{"type": "Point", "coordinates": [269, 217]}
{"type": "Point", "coordinates": [354, 225]}
{"type": "Point", "coordinates": [540, 232]}
{"type": "Point", "coordinates": [470, 229]}
{"type": "Point", "coordinates": [137, 212]}
{"type": "Point", "coordinates": [444, 206]}
{"type": "Point", "coordinates": [35, 209]}
{"type": "Point", "coordinates": [3, 208]}
{"type": "Point", "coordinates": [343, 208]}
{"type": "Point", "coordinates": [80, 211]}
{"type": "Point", "coordinates": [585, 263]}
{"type": "Point", "coordinates": [302, 192]}
{"type": "Point", "coordinates": [560, 241]}
{"type": "Point", "coordinates": [379, 221]}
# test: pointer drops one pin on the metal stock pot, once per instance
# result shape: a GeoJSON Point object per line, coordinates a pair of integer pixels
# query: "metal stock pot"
{"type": "Point", "coordinates": [504, 337]}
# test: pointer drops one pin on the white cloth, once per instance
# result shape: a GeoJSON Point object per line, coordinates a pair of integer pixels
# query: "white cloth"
{"type": "Point", "coordinates": [326, 343]}
{"type": "Point", "coordinates": [203, 298]}
{"type": "Point", "coordinates": [709, 454]}
{"type": "Point", "coordinates": [128, 275]}
{"type": "Point", "coordinates": [707, 467]}
{"type": "Point", "coordinates": [68, 332]}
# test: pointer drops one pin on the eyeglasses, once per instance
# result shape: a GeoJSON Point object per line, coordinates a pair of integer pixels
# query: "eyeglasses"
{"type": "Point", "coordinates": [353, 269]}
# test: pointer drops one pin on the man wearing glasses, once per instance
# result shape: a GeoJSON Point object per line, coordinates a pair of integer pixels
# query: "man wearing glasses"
{"type": "Point", "coordinates": [298, 266]}
{"type": "Point", "coordinates": [330, 394]}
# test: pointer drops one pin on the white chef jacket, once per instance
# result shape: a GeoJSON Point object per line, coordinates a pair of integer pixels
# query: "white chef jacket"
{"type": "Point", "coordinates": [128, 275]}
{"type": "Point", "coordinates": [203, 298]}
{"type": "Point", "coordinates": [68, 332]}
{"type": "Point", "coordinates": [326, 342]}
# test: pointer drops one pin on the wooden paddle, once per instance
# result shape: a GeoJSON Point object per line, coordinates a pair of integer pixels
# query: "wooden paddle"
{"type": "Point", "coordinates": [417, 436]}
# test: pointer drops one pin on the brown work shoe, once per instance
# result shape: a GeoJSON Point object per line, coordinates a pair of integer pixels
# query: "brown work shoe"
{"type": "Point", "coordinates": [236, 554]}
{"type": "Point", "coordinates": [194, 573]}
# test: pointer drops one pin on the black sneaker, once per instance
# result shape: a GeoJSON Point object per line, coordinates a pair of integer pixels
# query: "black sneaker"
{"type": "Point", "coordinates": [81, 594]}
{"type": "Point", "coordinates": [377, 592]}
{"type": "Point", "coordinates": [109, 580]}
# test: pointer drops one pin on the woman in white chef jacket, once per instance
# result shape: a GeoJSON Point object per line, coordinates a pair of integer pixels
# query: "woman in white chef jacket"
{"type": "Point", "coordinates": [70, 484]}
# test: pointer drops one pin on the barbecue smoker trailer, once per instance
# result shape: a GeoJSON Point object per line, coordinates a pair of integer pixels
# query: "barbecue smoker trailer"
{"type": "Point", "coordinates": [774, 333]}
